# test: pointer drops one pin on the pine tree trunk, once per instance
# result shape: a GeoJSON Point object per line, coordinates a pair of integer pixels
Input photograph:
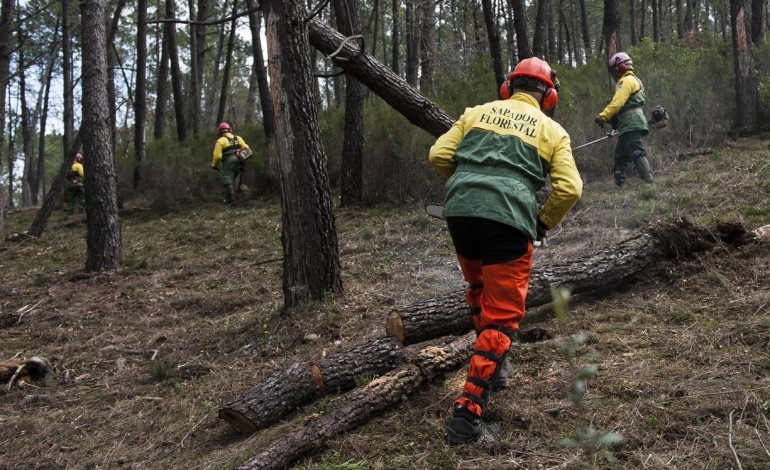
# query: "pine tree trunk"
{"type": "Point", "coordinates": [521, 25]}
{"type": "Point", "coordinates": [349, 21]}
{"type": "Point", "coordinates": [140, 104]}
{"type": "Point", "coordinates": [161, 94]}
{"type": "Point", "coordinates": [493, 36]}
{"type": "Point", "coordinates": [26, 133]}
{"type": "Point", "coordinates": [584, 29]}
{"type": "Point", "coordinates": [67, 79]}
{"type": "Point", "coordinates": [176, 73]}
{"type": "Point", "coordinates": [632, 21]}
{"type": "Point", "coordinates": [311, 266]}
{"type": "Point", "coordinates": [6, 25]}
{"type": "Point", "coordinates": [265, 101]}
{"type": "Point", "coordinates": [228, 65]}
{"type": "Point", "coordinates": [746, 94]}
{"type": "Point", "coordinates": [758, 22]}
{"type": "Point", "coordinates": [541, 19]}
{"type": "Point", "coordinates": [103, 238]}
{"type": "Point", "coordinates": [395, 12]}
{"type": "Point", "coordinates": [611, 26]}
{"type": "Point", "coordinates": [428, 46]}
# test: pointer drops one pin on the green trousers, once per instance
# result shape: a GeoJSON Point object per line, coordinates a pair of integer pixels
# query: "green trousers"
{"type": "Point", "coordinates": [229, 171]}
{"type": "Point", "coordinates": [75, 194]}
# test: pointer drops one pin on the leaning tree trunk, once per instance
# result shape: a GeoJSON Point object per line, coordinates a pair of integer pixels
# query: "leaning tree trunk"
{"type": "Point", "coordinates": [356, 408]}
{"type": "Point", "coordinates": [287, 389]}
{"type": "Point", "coordinates": [311, 262]}
{"type": "Point", "coordinates": [746, 95]}
{"type": "Point", "coordinates": [103, 237]}
{"type": "Point", "coordinates": [591, 275]}
{"type": "Point", "coordinates": [418, 109]}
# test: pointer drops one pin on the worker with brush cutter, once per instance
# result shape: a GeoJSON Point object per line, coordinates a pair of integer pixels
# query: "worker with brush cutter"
{"type": "Point", "coordinates": [625, 114]}
{"type": "Point", "coordinates": [495, 158]}
{"type": "Point", "coordinates": [230, 153]}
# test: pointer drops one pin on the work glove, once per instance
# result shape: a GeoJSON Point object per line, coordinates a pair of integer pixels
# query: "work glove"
{"type": "Point", "coordinates": [599, 121]}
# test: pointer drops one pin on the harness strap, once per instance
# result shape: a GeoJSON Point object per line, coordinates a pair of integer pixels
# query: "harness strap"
{"type": "Point", "coordinates": [489, 355]}
{"type": "Point", "coordinates": [475, 399]}
{"type": "Point", "coordinates": [506, 331]}
{"type": "Point", "coordinates": [485, 384]}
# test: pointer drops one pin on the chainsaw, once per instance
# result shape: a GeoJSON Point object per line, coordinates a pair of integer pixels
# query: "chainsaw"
{"type": "Point", "coordinates": [437, 211]}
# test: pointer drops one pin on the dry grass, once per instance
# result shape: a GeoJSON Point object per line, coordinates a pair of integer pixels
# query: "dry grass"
{"type": "Point", "coordinates": [146, 356]}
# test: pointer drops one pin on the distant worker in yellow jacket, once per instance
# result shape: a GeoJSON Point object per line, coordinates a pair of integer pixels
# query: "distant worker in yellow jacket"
{"type": "Point", "coordinates": [625, 113]}
{"type": "Point", "coordinates": [75, 192]}
{"type": "Point", "coordinates": [496, 158]}
{"type": "Point", "coordinates": [227, 160]}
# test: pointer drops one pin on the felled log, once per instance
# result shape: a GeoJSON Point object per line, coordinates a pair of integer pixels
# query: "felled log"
{"type": "Point", "coordinates": [592, 275]}
{"type": "Point", "coordinates": [285, 390]}
{"type": "Point", "coordinates": [358, 406]}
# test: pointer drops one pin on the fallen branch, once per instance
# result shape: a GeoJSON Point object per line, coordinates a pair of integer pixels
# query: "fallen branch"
{"type": "Point", "coordinates": [361, 405]}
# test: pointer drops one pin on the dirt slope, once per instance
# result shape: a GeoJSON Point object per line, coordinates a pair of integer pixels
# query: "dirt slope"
{"type": "Point", "coordinates": [146, 356]}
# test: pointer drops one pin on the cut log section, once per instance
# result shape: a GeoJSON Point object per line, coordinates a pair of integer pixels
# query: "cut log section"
{"type": "Point", "coordinates": [359, 406]}
{"type": "Point", "coordinates": [285, 390]}
{"type": "Point", "coordinates": [592, 275]}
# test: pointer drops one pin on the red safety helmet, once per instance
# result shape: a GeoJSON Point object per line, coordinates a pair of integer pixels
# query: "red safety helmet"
{"type": "Point", "coordinates": [619, 64]}
{"type": "Point", "coordinates": [79, 158]}
{"type": "Point", "coordinates": [224, 127]}
{"type": "Point", "coordinates": [534, 73]}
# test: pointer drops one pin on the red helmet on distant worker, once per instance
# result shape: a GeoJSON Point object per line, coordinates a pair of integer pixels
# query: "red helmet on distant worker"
{"type": "Point", "coordinates": [225, 127]}
{"type": "Point", "coordinates": [619, 64]}
{"type": "Point", "coordinates": [79, 158]}
{"type": "Point", "coordinates": [534, 73]}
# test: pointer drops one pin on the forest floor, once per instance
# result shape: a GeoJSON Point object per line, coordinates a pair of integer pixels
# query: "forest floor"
{"type": "Point", "coordinates": [146, 356]}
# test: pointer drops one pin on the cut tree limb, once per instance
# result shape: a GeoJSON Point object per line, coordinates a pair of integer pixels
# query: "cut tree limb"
{"type": "Point", "coordinates": [592, 275]}
{"type": "Point", "coordinates": [285, 390]}
{"type": "Point", "coordinates": [349, 56]}
{"type": "Point", "coordinates": [357, 407]}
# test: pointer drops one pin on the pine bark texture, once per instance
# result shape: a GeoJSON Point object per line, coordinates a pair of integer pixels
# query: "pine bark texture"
{"type": "Point", "coordinates": [359, 406]}
{"type": "Point", "coordinates": [758, 22]}
{"type": "Point", "coordinates": [6, 25]}
{"type": "Point", "coordinates": [311, 265]}
{"type": "Point", "coordinates": [746, 93]}
{"type": "Point", "coordinates": [592, 275]}
{"type": "Point", "coordinates": [140, 106]}
{"type": "Point", "coordinates": [493, 36]}
{"type": "Point", "coordinates": [521, 25]}
{"type": "Point", "coordinates": [169, 37]}
{"type": "Point", "coordinates": [418, 109]}
{"type": "Point", "coordinates": [611, 26]}
{"type": "Point", "coordinates": [299, 383]}
{"type": "Point", "coordinates": [103, 238]}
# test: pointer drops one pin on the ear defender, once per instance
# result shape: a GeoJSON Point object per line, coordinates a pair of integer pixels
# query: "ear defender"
{"type": "Point", "coordinates": [505, 88]}
{"type": "Point", "coordinates": [550, 99]}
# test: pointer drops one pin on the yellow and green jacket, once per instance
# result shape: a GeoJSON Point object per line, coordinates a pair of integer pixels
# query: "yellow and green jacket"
{"type": "Point", "coordinates": [626, 105]}
{"type": "Point", "coordinates": [496, 158]}
{"type": "Point", "coordinates": [225, 148]}
{"type": "Point", "coordinates": [76, 174]}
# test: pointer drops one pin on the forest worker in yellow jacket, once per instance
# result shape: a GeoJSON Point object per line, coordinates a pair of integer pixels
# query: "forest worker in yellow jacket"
{"type": "Point", "coordinates": [625, 113]}
{"type": "Point", "coordinates": [75, 192]}
{"type": "Point", "coordinates": [495, 158]}
{"type": "Point", "coordinates": [226, 159]}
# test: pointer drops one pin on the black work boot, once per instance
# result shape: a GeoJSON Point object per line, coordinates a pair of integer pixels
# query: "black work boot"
{"type": "Point", "coordinates": [464, 426]}
{"type": "Point", "coordinates": [501, 381]}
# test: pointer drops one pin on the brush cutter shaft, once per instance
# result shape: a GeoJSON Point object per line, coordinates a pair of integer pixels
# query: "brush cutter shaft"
{"type": "Point", "coordinates": [600, 139]}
